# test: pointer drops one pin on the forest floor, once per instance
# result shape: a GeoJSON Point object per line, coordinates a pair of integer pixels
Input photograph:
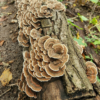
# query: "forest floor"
{"type": "Point", "coordinates": [11, 53]}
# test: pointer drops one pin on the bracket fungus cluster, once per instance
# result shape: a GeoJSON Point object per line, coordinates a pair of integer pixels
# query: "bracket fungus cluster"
{"type": "Point", "coordinates": [91, 71]}
{"type": "Point", "coordinates": [45, 60]}
{"type": "Point", "coordinates": [29, 15]}
{"type": "Point", "coordinates": [47, 56]}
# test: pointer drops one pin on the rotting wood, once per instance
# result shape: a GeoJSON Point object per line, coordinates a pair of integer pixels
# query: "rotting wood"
{"type": "Point", "coordinates": [75, 80]}
{"type": "Point", "coordinates": [89, 50]}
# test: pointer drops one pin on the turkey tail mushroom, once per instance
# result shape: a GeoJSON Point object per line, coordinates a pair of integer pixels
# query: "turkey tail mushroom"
{"type": "Point", "coordinates": [91, 71]}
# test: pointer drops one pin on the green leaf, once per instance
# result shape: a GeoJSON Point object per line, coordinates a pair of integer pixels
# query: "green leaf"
{"type": "Point", "coordinates": [96, 42]}
{"type": "Point", "coordinates": [80, 41]}
{"type": "Point", "coordinates": [83, 18]}
{"type": "Point", "coordinates": [69, 22]}
{"type": "Point", "coordinates": [98, 79]}
{"type": "Point", "coordinates": [94, 1]}
{"type": "Point", "coordinates": [87, 57]}
{"type": "Point", "coordinates": [94, 21]}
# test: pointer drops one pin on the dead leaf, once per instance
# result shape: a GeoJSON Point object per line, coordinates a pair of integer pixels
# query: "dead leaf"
{"type": "Point", "coordinates": [2, 42]}
{"type": "Point", "coordinates": [5, 7]}
{"type": "Point", "coordinates": [5, 64]}
{"type": "Point", "coordinates": [11, 61]}
{"type": "Point", "coordinates": [6, 77]}
{"type": "Point", "coordinates": [77, 35]}
{"type": "Point", "coordinates": [3, 19]}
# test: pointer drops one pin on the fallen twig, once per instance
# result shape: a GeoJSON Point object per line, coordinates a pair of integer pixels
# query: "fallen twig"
{"type": "Point", "coordinates": [5, 92]}
{"type": "Point", "coordinates": [12, 84]}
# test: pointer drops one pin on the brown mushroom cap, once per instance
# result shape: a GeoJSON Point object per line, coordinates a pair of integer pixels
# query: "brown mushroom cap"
{"type": "Point", "coordinates": [37, 71]}
{"type": "Point", "coordinates": [46, 58]}
{"type": "Point", "coordinates": [42, 40]}
{"type": "Point", "coordinates": [54, 73]}
{"type": "Point", "coordinates": [56, 66]}
{"type": "Point", "coordinates": [33, 84]}
{"type": "Point", "coordinates": [31, 67]}
{"type": "Point", "coordinates": [56, 51]}
{"type": "Point", "coordinates": [26, 55]}
{"type": "Point", "coordinates": [34, 34]}
{"type": "Point", "coordinates": [59, 6]}
{"type": "Point", "coordinates": [50, 42]}
{"type": "Point", "coordinates": [43, 79]}
{"type": "Point", "coordinates": [91, 65]}
{"type": "Point", "coordinates": [44, 74]}
{"type": "Point", "coordinates": [92, 78]}
{"type": "Point", "coordinates": [30, 92]}
{"type": "Point", "coordinates": [91, 71]}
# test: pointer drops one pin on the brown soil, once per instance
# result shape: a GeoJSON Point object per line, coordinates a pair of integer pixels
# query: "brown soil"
{"type": "Point", "coordinates": [10, 51]}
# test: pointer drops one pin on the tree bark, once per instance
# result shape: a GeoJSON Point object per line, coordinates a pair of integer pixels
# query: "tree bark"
{"type": "Point", "coordinates": [74, 84]}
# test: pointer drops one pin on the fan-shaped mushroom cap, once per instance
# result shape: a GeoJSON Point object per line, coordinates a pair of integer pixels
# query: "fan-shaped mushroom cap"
{"type": "Point", "coordinates": [25, 71]}
{"type": "Point", "coordinates": [32, 54]}
{"type": "Point", "coordinates": [56, 51]}
{"type": "Point", "coordinates": [22, 78]}
{"type": "Point", "coordinates": [22, 39]}
{"type": "Point", "coordinates": [33, 84]}
{"type": "Point", "coordinates": [20, 84]}
{"type": "Point", "coordinates": [91, 71]}
{"type": "Point", "coordinates": [44, 10]}
{"type": "Point", "coordinates": [30, 92]}
{"type": "Point", "coordinates": [26, 54]}
{"type": "Point", "coordinates": [92, 78]}
{"type": "Point", "coordinates": [43, 79]}
{"type": "Point", "coordinates": [31, 67]}
{"type": "Point", "coordinates": [54, 73]}
{"type": "Point", "coordinates": [34, 62]}
{"type": "Point", "coordinates": [37, 71]}
{"type": "Point", "coordinates": [31, 72]}
{"type": "Point", "coordinates": [44, 74]}
{"type": "Point", "coordinates": [89, 63]}
{"type": "Point", "coordinates": [34, 33]}
{"type": "Point", "coordinates": [46, 58]}
{"type": "Point", "coordinates": [42, 40]}
{"type": "Point", "coordinates": [50, 42]}
{"type": "Point", "coordinates": [24, 85]}
{"type": "Point", "coordinates": [59, 6]}
{"type": "Point", "coordinates": [32, 41]}
{"type": "Point", "coordinates": [92, 66]}
{"type": "Point", "coordinates": [56, 66]}
{"type": "Point", "coordinates": [65, 58]}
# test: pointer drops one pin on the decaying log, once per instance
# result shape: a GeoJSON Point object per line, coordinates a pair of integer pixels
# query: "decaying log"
{"type": "Point", "coordinates": [89, 50]}
{"type": "Point", "coordinates": [75, 81]}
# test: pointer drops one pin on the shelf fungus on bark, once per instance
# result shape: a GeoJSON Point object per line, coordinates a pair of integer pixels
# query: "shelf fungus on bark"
{"type": "Point", "coordinates": [91, 71]}
{"type": "Point", "coordinates": [47, 56]}
{"type": "Point", "coordinates": [41, 67]}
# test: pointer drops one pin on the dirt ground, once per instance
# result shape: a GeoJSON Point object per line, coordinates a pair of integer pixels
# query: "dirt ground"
{"type": "Point", "coordinates": [10, 50]}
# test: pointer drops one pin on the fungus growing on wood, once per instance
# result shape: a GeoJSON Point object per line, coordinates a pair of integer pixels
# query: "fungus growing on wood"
{"type": "Point", "coordinates": [47, 56]}
{"type": "Point", "coordinates": [40, 65]}
{"type": "Point", "coordinates": [91, 71]}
